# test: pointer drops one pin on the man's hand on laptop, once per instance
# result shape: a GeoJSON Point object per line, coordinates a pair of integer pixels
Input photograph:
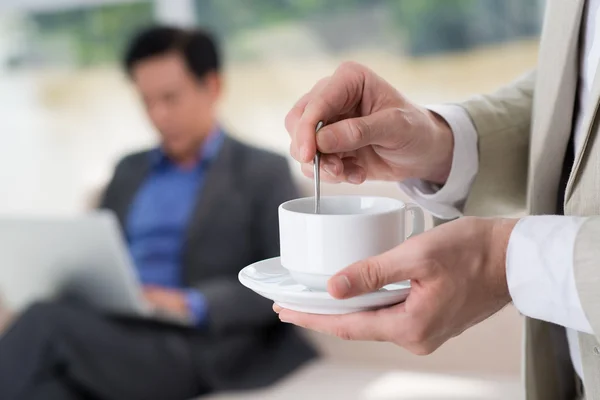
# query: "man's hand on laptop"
{"type": "Point", "coordinates": [167, 300]}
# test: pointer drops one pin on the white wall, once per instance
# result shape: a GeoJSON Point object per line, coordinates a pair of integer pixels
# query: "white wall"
{"type": "Point", "coordinates": [177, 12]}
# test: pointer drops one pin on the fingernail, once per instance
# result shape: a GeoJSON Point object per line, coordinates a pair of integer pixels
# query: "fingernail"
{"type": "Point", "coordinates": [340, 285]}
{"type": "Point", "coordinates": [355, 178]}
{"type": "Point", "coordinates": [276, 308]}
{"type": "Point", "coordinates": [330, 168]}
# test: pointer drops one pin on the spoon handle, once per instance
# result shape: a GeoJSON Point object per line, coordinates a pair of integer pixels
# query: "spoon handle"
{"type": "Point", "coordinates": [317, 173]}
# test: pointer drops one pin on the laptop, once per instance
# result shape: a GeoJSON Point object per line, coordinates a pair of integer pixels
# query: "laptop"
{"type": "Point", "coordinates": [83, 258]}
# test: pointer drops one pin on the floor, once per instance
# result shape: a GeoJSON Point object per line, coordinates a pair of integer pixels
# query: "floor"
{"type": "Point", "coordinates": [333, 382]}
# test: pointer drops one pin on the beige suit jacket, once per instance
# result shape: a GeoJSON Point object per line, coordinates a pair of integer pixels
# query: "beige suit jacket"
{"type": "Point", "coordinates": [523, 132]}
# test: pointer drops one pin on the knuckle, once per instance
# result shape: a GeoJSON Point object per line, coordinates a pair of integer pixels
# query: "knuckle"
{"type": "Point", "coordinates": [323, 104]}
{"type": "Point", "coordinates": [358, 130]}
{"type": "Point", "coordinates": [418, 342]}
{"type": "Point", "coordinates": [471, 227]}
{"type": "Point", "coordinates": [404, 135]}
{"type": "Point", "coordinates": [351, 67]}
{"type": "Point", "coordinates": [417, 336]}
{"type": "Point", "coordinates": [433, 266]}
{"type": "Point", "coordinates": [289, 122]}
{"type": "Point", "coordinates": [353, 73]}
{"type": "Point", "coordinates": [371, 274]}
{"type": "Point", "coordinates": [343, 334]}
{"type": "Point", "coordinates": [402, 117]}
{"type": "Point", "coordinates": [294, 151]}
{"type": "Point", "coordinates": [422, 349]}
{"type": "Point", "coordinates": [407, 118]}
{"type": "Point", "coordinates": [428, 260]}
{"type": "Point", "coordinates": [387, 333]}
{"type": "Point", "coordinates": [321, 83]}
{"type": "Point", "coordinates": [307, 169]}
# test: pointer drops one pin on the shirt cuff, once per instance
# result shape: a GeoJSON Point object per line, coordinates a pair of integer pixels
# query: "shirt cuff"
{"type": "Point", "coordinates": [197, 305]}
{"type": "Point", "coordinates": [447, 202]}
{"type": "Point", "coordinates": [539, 270]}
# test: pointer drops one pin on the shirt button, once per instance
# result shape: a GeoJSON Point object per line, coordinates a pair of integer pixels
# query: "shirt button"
{"type": "Point", "coordinates": [597, 350]}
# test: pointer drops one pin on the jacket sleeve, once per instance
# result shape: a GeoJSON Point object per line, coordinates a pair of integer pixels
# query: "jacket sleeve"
{"type": "Point", "coordinates": [107, 196]}
{"type": "Point", "coordinates": [586, 263]}
{"type": "Point", "coordinates": [502, 121]}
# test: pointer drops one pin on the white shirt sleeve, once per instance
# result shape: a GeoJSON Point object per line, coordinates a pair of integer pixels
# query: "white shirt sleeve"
{"type": "Point", "coordinates": [539, 260]}
{"type": "Point", "coordinates": [539, 270]}
{"type": "Point", "coordinates": [447, 202]}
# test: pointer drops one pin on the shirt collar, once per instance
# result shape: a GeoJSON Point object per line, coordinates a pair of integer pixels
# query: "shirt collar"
{"type": "Point", "coordinates": [207, 153]}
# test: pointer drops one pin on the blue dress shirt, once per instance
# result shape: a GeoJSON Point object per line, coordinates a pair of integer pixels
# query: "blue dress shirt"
{"type": "Point", "coordinates": [158, 219]}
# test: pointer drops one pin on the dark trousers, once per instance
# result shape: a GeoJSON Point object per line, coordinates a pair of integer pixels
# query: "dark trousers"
{"type": "Point", "coordinates": [57, 351]}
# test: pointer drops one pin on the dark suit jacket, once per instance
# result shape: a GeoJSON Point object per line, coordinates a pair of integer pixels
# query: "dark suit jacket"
{"type": "Point", "coordinates": [234, 224]}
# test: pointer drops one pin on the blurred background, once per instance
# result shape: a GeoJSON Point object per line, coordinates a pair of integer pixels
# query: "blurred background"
{"type": "Point", "coordinates": [68, 112]}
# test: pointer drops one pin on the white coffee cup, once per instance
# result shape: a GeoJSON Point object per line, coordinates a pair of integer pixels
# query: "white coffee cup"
{"type": "Point", "coordinates": [348, 229]}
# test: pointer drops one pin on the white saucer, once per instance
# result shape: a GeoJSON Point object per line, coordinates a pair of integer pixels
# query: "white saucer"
{"type": "Point", "coordinates": [269, 279]}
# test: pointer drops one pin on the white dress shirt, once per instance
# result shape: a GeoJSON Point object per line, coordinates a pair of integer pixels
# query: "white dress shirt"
{"type": "Point", "coordinates": [539, 260]}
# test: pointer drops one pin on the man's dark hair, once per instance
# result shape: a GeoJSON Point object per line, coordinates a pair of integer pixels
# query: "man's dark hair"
{"type": "Point", "coordinates": [197, 47]}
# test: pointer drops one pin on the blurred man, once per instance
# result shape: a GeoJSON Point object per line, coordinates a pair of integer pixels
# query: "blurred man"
{"type": "Point", "coordinates": [194, 211]}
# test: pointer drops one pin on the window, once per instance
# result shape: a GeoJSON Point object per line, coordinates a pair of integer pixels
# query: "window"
{"type": "Point", "coordinates": [70, 112]}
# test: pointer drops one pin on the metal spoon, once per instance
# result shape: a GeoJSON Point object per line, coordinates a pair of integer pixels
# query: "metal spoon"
{"type": "Point", "coordinates": [317, 167]}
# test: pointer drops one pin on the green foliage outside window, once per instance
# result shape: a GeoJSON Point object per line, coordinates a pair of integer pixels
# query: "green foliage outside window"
{"type": "Point", "coordinates": [95, 34]}
{"type": "Point", "coordinates": [427, 26]}
{"type": "Point", "coordinates": [232, 16]}
{"type": "Point", "coordinates": [98, 34]}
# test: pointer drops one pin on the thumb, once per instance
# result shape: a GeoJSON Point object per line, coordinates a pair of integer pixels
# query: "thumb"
{"type": "Point", "coordinates": [384, 128]}
{"type": "Point", "coordinates": [370, 275]}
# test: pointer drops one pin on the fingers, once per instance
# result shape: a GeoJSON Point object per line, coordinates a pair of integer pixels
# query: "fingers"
{"type": "Point", "coordinates": [294, 115]}
{"type": "Point", "coordinates": [326, 174]}
{"type": "Point", "coordinates": [374, 273]}
{"type": "Point", "coordinates": [336, 170]}
{"type": "Point", "coordinates": [353, 173]}
{"type": "Point", "coordinates": [376, 325]}
{"type": "Point", "coordinates": [332, 167]}
{"type": "Point", "coordinates": [386, 128]}
{"type": "Point", "coordinates": [391, 324]}
{"type": "Point", "coordinates": [151, 294]}
{"type": "Point", "coordinates": [332, 164]}
{"type": "Point", "coordinates": [153, 299]}
{"type": "Point", "coordinates": [341, 94]}
{"type": "Point", "coordinates": [292, 118]}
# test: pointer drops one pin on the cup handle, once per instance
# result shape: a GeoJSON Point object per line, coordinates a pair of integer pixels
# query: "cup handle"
{"type": "Point", "coordinates": [418, 219]}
